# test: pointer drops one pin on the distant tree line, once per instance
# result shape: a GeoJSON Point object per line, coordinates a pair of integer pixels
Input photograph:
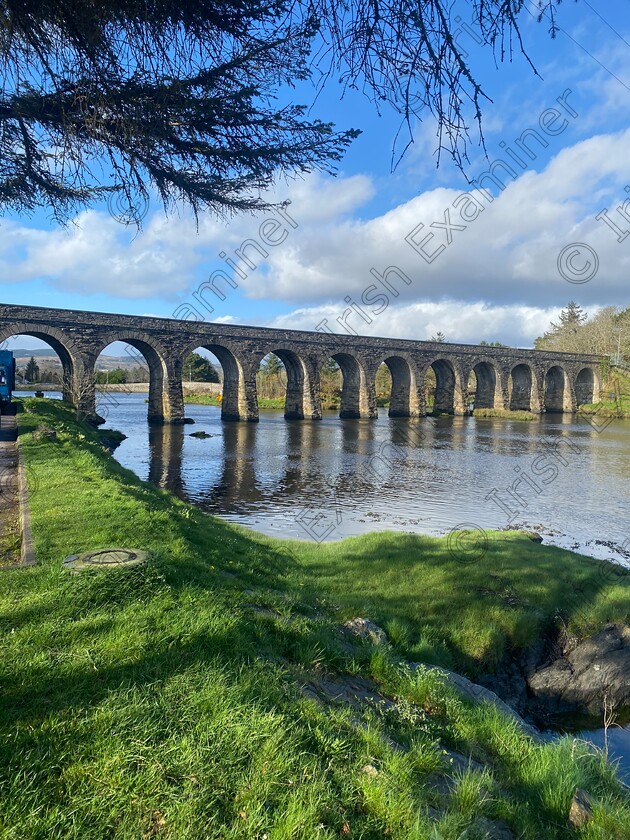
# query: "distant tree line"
{"type": "Point", "coordinates": [196, 369]}
{"type": "Point", "coordinates": [607, 332]}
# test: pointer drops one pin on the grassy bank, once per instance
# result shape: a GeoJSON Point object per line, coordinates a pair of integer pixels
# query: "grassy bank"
{"type": "Point", "coordinates": [164, 702]}
{"type": "Point", "coordinates": [619, 407]}
{"type": "Point", "coordinates": [505, 414]}
{"type": "Point", "coordinates": [209, 399]}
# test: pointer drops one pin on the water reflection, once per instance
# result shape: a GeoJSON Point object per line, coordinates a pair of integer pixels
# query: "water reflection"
{"type": "Point", "coordinates": [426, 475]}
{"type": "Point", "coordinates": [166, 445]}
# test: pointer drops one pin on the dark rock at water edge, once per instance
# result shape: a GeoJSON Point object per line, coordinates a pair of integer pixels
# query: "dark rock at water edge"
{"type": "Point", "coordinates": [588, 674]}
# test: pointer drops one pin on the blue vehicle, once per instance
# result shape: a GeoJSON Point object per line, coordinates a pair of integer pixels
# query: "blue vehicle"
{"type": "Point", "coordinates": [7, 378]}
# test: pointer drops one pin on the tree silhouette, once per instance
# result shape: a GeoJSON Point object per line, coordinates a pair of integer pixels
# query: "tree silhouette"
{"type": "Point", "coordinates": [194, 100]}
{"type": "Point", "coordinates": [31, 371]}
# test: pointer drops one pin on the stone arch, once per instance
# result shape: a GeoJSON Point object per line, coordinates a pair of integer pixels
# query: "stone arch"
{"type": "Point", "coordinates": [239, 400]}
{"type": "Point", "coordinates": [300, 401]}
{"type": "Point", "coordinates": [406, 399]}
{"type": "Point", "coordinates": [521, 387]}
{"type": "Point", "coordinates": [358, 395]}
{"type": "Point", "coordinates": [150, 351]}
{"type": "Point", "coordinates": [488, 391]}
{"type": "Point", "coordinates": [557, 391]}
{"type": "Point", "coordinates": [450, 394]}
{"type": "Point", "coordinates": [586, 386]}
{"type": "Point", "coordinates": [69, 354]}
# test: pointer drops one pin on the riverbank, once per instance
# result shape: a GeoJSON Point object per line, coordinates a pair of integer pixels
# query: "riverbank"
{"type": "Point", "coordinates": [617, 389]}
{"type": "Point", "coordinates": [213, 693]}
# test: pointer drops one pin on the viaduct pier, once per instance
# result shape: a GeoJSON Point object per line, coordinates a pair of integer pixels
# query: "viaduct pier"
{"type": "Point", "coordinates": [506, 378]}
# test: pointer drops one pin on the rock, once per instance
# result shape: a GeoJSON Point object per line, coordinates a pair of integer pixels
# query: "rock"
{"type": "Point", "coordinates": [479, 694]}
{"type": "Point", "coordinates": [200, 434]}
{"type": "Point", "coordinates": [594, 669]}
{"type": "Point", "coordinates": [370, 770]}
{"type": "Point", "coordinates": [581, 810]}
{"type": "Point", "coordinates": [490, 829]}
{"type": "Point", "coordinates": [367, 630]}
{"type": "Point", "coordinates": [346, 689]}
{"type": "Point", "coordinates": [111, 439]}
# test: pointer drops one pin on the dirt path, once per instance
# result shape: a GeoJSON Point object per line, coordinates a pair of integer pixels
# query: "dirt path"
{"type": "Point", "coordinates": [10, 535]}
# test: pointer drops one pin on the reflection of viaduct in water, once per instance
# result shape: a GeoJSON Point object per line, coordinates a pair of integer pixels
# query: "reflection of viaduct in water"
{"type": "Point", "coordinates": [506, 378]}
{"type": "Point", "coordinates": [251, 465]}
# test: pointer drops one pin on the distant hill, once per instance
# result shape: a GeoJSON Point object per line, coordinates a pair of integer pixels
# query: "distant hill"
{"type": "Point", "coordinates": [43, 352]}
{"type": "Point", "coordinates": [47, 358]}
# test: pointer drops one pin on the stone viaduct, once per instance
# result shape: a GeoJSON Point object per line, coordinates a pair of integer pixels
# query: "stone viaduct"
{"type": "Point", "coordinates": [506, 378]}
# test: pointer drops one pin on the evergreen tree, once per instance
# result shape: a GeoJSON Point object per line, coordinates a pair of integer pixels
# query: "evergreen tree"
{"type": "Point", "coordinates": [572, 316]}
{"type": "Point", "coordinates": [31, 371]}
{"type": "Point", "coordinates": [271, 365]}
{"type": "Point", "coordinates": [193, 99]}
{"type": "Point", "coordinates": [330, 366]}
{"type": "Point", "coordinates": [439, 337]}
{"type": "Point", "coordinates": [199, 369]}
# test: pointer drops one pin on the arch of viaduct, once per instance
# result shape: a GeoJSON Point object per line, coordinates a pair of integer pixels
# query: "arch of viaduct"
{"type": "Point", "coordinates": [506, 378]}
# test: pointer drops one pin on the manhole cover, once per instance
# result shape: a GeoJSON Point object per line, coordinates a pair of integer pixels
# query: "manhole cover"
{"type": "Point", "coordinates": [105, 558]}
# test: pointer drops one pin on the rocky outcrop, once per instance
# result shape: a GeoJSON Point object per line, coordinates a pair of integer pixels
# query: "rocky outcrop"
{"type": "Point", "coordinates": [588, 674]}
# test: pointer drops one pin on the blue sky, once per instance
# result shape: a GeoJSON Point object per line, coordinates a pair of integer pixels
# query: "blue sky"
{"type": "Point", "coordinates": [494, 275]}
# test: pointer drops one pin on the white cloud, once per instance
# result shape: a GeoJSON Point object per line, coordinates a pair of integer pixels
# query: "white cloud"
{"type": "Point", "coordinates": [507, 255]}
{"type": "Point", "coordinates": [96, 254]}
{"type": "Point", "coordinates": [459, 321]}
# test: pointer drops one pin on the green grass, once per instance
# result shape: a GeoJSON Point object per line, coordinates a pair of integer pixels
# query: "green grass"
{"type": "Point", "coordinates": [619, 407]}
{"type": "Point", "coordinates": [505, 413]}
{"type": "Point", "coordinates": [209, 399]}
{"type": "Point", "coordinates": [163, 701]}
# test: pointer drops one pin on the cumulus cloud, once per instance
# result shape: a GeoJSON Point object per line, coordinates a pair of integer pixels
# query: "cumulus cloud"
{"type": "Point", "coordinates": [96, 254]}
{"type": "Point", "coordinates": [459, 321]}
{"type": "Point", "coordinates": [508, 254]}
